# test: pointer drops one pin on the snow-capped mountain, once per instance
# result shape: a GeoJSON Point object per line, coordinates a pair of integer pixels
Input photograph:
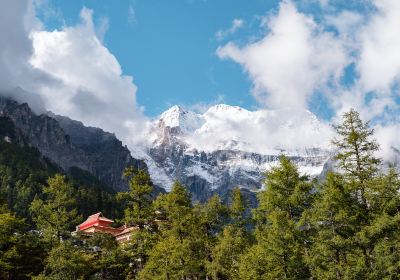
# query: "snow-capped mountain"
{"type": "Point", "coordinates": [228, 146]}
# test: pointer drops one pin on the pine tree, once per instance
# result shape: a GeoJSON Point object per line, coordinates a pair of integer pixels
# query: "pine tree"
{"type": "Point", "coordinates": [355, 154]}
{"type": "Point", "coordinates": [356, 214]}
{"type": "Point", "coordinates": [10, 226]}
{"type": "Point", "coordinates": [357, 162]}
{"type": "Point", "coordinates": [56, 215]}
{"type": "Point", "coordinates": [383, 230]}
{"type": "Point", "coordinates": [139, 212]}
{"type": "Point", "coordinates": [138, 200]}
{"type": "Point", "coordinates": [280, 249]}
{"type": "Point", "coordinates": [66, 261]}
{"type": "Point", "coordinates": [335, 220]}
{"type": "Point", "coordinates": [109, 261]}
{"type": "Point", "coordinates": [179, 254]}
{"type": "Point", "coordinates": [232, 242]}
{"type": "Point", "coordinates": [212, 218]}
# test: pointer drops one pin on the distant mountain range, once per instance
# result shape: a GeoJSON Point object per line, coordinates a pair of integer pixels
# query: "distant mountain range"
{"type": "Point", "coordinates": [212, 152]}
{"type": "Point", "coordinates": [228, 147]}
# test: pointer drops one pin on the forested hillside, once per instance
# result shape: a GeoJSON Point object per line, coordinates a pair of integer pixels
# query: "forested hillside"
{"type": "Point", "coordinates": [346, 226]}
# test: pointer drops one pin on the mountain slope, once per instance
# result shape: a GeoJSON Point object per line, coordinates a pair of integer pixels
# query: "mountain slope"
{"type": "Point", "coordinates": [70, 144]}
{"type": "Point", "coordinates": [228, 146]}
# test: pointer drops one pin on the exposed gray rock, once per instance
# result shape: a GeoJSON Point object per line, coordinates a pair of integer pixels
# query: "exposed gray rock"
{"type": "Point", "coordinates": [69, 143]}
{"type": "Point", "coordinates": [207, 173]}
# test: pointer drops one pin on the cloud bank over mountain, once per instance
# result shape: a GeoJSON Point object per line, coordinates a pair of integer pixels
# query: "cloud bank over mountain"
{"type": "Point", "coordinates": [299, 57]}
{"type": "Point", "coordinates": [69, 70]}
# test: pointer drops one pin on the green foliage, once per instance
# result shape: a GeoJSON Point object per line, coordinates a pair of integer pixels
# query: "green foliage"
{"type": "Point", "coordinates": [9, 225]}
{"type": "Point", "coordinates": [355, 218]}
{"type": "Point", "coordinates": [356, 149]}
{"type": "Point", "coordinates": [346, 226]}
{"type": "Point", "coordinates": [335, 218]}
{"type": "Point", "coordinates": [234, 241]}
{"type": "Point", "coordinates": [22, 174]}
{"type": "Point", "coordinates": [280, 235]}
{"type": "Point", "coordinates": [57, 215]}
{"type": "Point", "coordinates": [21, 252]}
{"type": "Point", "coordinates": [138, 200]}
{"type": "Point", "coordinates": [66, 261]}
{"type": "Point", "coordinates": [180, 240]}
{"type": "Point", "coordinates": [109, 261]}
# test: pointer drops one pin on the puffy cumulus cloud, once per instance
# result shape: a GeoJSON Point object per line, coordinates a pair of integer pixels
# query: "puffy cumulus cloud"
{"type": "Point", "coordinates": [379, 62]}
{"type": "Point", "coordinates": [67, 71]}
{"type": "Point", "coordinates": [356, 64]}
{"type": "Point", "coordinates": [91, 86]}
{"type": "Point", "coordinates": [15, 45]}
{"type": "Point", "coordinates": [17, 20]}
{"type": "Point", "coordinates": [294, 59]}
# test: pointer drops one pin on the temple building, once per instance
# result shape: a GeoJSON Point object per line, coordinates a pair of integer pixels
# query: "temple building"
{"type": "Point", "coordinates": [97, 223]}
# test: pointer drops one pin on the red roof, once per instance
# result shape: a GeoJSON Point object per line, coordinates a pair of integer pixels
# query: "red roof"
{"type": "Point", "coordinates": [94, 219]}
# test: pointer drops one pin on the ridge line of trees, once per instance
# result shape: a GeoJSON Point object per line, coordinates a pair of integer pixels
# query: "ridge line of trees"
{"type": "Point", "coordinates": [346, 226]}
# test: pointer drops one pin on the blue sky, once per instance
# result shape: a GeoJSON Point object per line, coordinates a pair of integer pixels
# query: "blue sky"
{"type": "Point", "coordinates": [169, 47]}
{"type": "Point", "coordinates": [77, 58]}
{"type": "Point", "coordinates": [189, 52]}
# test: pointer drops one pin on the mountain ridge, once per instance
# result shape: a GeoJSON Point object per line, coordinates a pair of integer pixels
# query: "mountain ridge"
{"type": "Point", "coordinates": [69, 143]}
{"type": "Point", "coordinates": [229, 159]}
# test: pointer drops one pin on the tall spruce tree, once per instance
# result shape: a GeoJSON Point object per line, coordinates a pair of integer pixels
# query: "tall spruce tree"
{"type": "Point", "coordinates": [356, 152]}
{"type": "Point", "coordinates": [56, 215]}
{"type": "Point", "coordinates": [381, 234]}
{"type": "Point", "coordinates": [280, 250]}
{"type": "Point", "coordinates": [138, 200]}
{"type": "Point", "coordinates": [212, 218]}
{"type": "Point", "coordinates": [232, 242]}
{"type": "Point", "coordinates": [139, 212]}
{"type": "Point", "coordinates": [335, 220]}
{"type": "Point", "coordinates": [179, 254]}
{"type": "Point", "coordinates": [357, 162]}
{"type": "Point", "coordinates": [66, 261]}
{"type": "Point", "coordinates": [356, 213]}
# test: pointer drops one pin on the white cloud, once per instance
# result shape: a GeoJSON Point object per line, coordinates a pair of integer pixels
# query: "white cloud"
{"type": "Point", "coordinates": [292, 61]}
{"type": "Point", "coordinates": [15, 46]}
{"type": "Point", "coordinates": [224, 127]}
{"type": "Point", "coordinates": [67, 71]}
{"type": "Point", "coordinates": [388, 137]}
{"type": "Point", "coordinates": [379, 62]}
{"type": "Point", "coordinates": [91, 87]}
{"type": "Point", "coordinates": [298, 57]}
{"type": "Point", "coordinates": [236, 24]}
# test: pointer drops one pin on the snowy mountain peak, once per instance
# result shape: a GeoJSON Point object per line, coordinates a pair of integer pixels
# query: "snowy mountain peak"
{"type": "Point", "coordinates": [224, 127]}
{"type": "Point", "coordinates": [173, 116]}
{"type": "Point", "coordinates": [229, 146]}
{"type": "Point", "coordinates": [177, 116]}
{"type": "Point", "coordinates": [223, 108]}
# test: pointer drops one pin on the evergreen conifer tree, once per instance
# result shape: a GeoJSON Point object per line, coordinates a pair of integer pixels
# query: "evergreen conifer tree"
{"type": "Point", "coordinates": [280, 250]}
{"type": "Point", "coordinates": [232, 242]}
{"type": "Point", "coordinates": [56, 216]}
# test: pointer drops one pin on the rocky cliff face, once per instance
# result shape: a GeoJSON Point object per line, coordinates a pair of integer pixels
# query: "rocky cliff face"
{"type": "Point", "coordinates": [200, 151]}
{"type": "Point", "coordinates": [70, 144]}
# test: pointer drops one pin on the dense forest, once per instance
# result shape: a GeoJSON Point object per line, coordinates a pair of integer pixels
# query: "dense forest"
{"type": "Point", "coordinates": [346, 226]}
